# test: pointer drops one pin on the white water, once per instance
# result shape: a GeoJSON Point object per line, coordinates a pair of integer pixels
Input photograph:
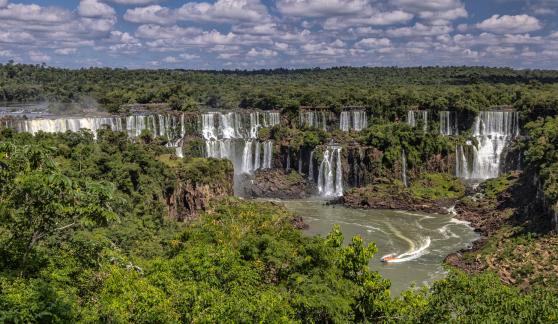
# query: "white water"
{"type": "Point", "coordinates": [404, 169]}
{"type": "Point", "coordinates": [413, 252]}
{"type": "Point", "coordinates": [493, 130]}
{"type": "Point", "coordinates": [353, 120]}
{"type": "Point", "coordinates": [170, 126]}
{"type": "Point", "coordinates": [416, 117]}
{"type": "Point", "coordinates": [448, 123]}
{"type": "Point", "coordinates": [313, 119]}
{"type": "Point", "coordinates": [233, 136]}
{"type": "Point", "coordinates": [330, 176]}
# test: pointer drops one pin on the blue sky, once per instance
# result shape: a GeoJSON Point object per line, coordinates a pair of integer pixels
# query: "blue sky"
{"type": "Point", "coordinates": [254, 34]}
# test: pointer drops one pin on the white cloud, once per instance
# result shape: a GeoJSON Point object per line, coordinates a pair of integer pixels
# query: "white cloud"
{"type": "Point", "coordinates": [3, 3]}
{"type": "Point", "coordinates": [436, 12]}
{"type": "Point", "coordinates": [510, 24]}
{"type": "Point", "coordinates": [34, 13]}
{"type": "Point", "coordinates": [135, 2]}
{"type": "Point", "coordinates": [222, 11]}
{"type": "Point", "coordinates": [419, 30]}
{"type": "Point", "coordinates": [94, 8]}
{"type": "Point", "coordinates": [261, 53]}
{"type": "Point", "coordinates": [6, 53]}
{"type": "Point", "coordinates": [38, 56]}
{"type": "Point", "coordinates": [378, 19]}
{"type": "Point", "coordinates": [66, 51]}
{"type": "Point", "coordinates": [320, 8]}
{"type": "Point", "coordinates": [187, 56]}
{"type": "Point", "coordinates": [171, 60]}
{"type": "Point", "coordinates": [373, 42]}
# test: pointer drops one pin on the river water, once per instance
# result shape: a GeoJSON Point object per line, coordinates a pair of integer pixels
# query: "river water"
{"type": "Point", "coordinates": [419, 241]}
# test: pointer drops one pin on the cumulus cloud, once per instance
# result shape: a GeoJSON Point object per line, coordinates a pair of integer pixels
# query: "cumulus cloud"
{"type": "Point", "coordinates": [261, 52]}
{"type": "Point", "coordinates": [94, 8]}
{"type": "Point", "coordinates": [3, 3]}
{"type": "Point", "coordinates": [419, 30]}
{"type": "Point", "coordinates": [379, 19]}
{"type": "Point", "coordinates": [222, 11]}
{"type": "Point", "coordinates": [373, 43]}
{"type": "Point", "coordinates": [320, 8]}
{"type": "Point", "coordinates": [34, 13]}
{"type": "Point", "coordinates": [65, 51]}
{"type": "Point", "coordinates": [38, 56]}
{"type": "Point", "coordinates": [437, 12]}
{"type": "Point", "coordinates": [510, 24]}
{"type": "Point", "coordinates": [135, 2]}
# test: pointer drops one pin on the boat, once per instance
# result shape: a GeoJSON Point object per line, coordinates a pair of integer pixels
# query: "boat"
{"type": "Point", "coordinates": [388, 258]}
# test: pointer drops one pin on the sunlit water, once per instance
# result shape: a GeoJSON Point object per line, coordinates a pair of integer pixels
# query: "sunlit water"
{"type": "Point", "coordinates": [419, 241]}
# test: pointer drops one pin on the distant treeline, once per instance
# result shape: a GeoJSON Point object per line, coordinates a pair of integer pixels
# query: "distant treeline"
{"type": "Point", "coordinates": [388, 89]}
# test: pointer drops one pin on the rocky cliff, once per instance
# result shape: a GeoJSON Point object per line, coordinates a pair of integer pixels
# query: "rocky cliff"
{"type": "Point", "coordinates": [199, 182]}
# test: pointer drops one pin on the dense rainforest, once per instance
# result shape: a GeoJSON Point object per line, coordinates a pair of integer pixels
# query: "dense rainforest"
{"type": "Point", "coordinates": [109, 228]}
{"type": "Point", "coordinates": [385, 91]}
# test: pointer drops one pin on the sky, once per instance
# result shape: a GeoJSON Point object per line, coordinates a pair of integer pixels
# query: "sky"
{"type": "Point", "coordinates": [256, 34]}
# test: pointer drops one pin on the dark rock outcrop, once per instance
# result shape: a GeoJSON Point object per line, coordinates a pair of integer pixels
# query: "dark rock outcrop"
{"type": "Point", "coordinates": [199, 183]}
{"type": "Point", "coordinates": [279, 184]}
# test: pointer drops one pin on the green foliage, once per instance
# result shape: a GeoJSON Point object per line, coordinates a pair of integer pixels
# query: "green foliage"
{"type": "Point", "coordinates": [434, 186]}
{"type": "Point", "coordinates": [483, 298]}
{"type": "Point", "coordinates": [493, 187]}
{"type": "Point", "coordinates": [541, 153]}
{"type": "Point", "coordinates": [201, 170]}
{"type": "Point", "coordinates": [387, 92]}
{"type": "Point", "coordinates": [419, 147]}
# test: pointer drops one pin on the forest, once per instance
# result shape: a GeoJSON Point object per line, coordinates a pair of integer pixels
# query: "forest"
{"type": "Point", "coordinates": [85, 239]}
{"type": "Point", "coordinates": [92, 226]}
{"type": "Point", "coordinates": [384, 91]}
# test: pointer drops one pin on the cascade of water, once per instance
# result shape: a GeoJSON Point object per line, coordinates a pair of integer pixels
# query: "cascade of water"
{"type": "Point", "coordinates": [274, 118]}
{"type": "Point", "coordinates": [344, 121]}
{"type": "Point", "coordinates": [416, 116]}
{"type": "Point", "coordinates": [360, 120]}
{"type": "Point", "coordinates": [313, 119]}
{"type": "Point", "coordinates": [330, 175]}
{"type": "Point", "coordinates": [448, 125]}
{"type": "Point", "coordinates": [257, 157]}
{"type": "Point", "coordinates": [233, 136]}
{"type": "Point", "coordinates": [353, 120]}
{"type": "Point", "coordinates": [493, 130]}
{"type": "Point", "coordinates": [268, 152]}
{"type": "Point", "coordinates": [404, 169]}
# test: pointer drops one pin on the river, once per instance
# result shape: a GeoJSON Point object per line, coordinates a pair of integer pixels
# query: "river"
{"type": "Point", "coordinates": [420, 241]}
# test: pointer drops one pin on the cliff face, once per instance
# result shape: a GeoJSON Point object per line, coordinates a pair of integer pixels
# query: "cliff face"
{"type": "Point", "coordinates": [199, 182]}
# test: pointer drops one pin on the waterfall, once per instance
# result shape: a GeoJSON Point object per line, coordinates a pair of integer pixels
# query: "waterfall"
{"type": "Point", "coordinates": [344, 121]}
{"type": "Point", "coordinates": [268, 152]}
{"type": "Point", "coordinates": [414, 117]}
{"type": "Point", "coordinates": [493, 130]}
{"type": "Point", "coordinates": [330, 176]}
{"type": "Point", "coordinates": [171, 126]}
{"type": "Point", "coordinates": [233, 136]}
{"type": "Point", "coordinates": [404, 169]}
{"type": "Point", "coordinates": [313, 119]}
{"type": "Point", "coordinates": [353, 120]}
{"type": "Point", "coordinates": [448, 125]}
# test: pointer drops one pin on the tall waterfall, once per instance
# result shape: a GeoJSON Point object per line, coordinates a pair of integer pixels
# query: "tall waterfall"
{"type": "Point", "coordinates": [353, 120]}
{"type": "Point", "coordinates": [448, 123]}
{"type": "Point", "coordinates": [404, 169]}
{"type": "Point", "coordinates": [313, 119]}
{"type": "Point", "coordinates": [493, 130]}
{"type": "Point", "coordinates": [416, 117]}
{"type": "Point", "coordinates": [233, 136]}
{"type": "Point", "coordinates": [330, 176]}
